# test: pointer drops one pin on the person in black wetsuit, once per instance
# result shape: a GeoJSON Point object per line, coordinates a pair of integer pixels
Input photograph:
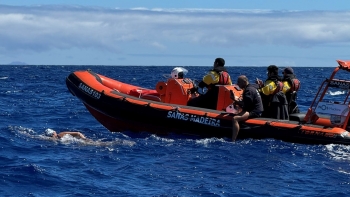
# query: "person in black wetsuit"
{"type": "Point", "coordinates": [251, 104]}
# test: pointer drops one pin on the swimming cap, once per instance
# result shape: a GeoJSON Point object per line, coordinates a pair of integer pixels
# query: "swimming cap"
{"type": "Point", "coordinates": [49, 132]}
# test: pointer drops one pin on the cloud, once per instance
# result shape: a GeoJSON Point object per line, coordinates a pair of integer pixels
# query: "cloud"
{"type": "Point", "coordinates": [41, 28]}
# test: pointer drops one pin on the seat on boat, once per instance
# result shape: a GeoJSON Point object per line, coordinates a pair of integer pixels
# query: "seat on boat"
{"type": "Point", "coordinates": [224, 99]}
{"type": "Point", "coordinates": [175, 91]}
{"type": "Point", "coordinates": [148, 94]}
{"type": "Point", "coordinates": [297, 117]}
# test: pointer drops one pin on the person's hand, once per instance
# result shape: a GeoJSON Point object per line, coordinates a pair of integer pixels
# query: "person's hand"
{"type": "Point", "coordinates": [194, 95]}
{"type": "Point", "coordinates": [259, 82]}
{"type": "Point", "coordinates": [194, 90]}
{"type": "Point", "coordinates": [82, 136]}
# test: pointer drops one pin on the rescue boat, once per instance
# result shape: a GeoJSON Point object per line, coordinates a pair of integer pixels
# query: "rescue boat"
{"type": "Point", "coordinates": [122, 107]}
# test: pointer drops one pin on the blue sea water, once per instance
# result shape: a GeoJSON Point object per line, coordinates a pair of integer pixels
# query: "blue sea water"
{"type": "Point", "coordinates": [34, 98]}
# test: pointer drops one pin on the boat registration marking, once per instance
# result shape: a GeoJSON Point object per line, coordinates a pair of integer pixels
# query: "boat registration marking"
{"type": "Point", "coordinates": [89, 91]}
{"type": "Point", "coordinates": [339, 84]}
{"type": "Point", "coordinates": [317, 133]}
{"type": "Point", "coordinates": [194, 118]}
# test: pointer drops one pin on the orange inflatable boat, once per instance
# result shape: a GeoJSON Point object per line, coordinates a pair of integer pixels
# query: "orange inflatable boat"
{"type": "Point", "coordinates": [124, 107]}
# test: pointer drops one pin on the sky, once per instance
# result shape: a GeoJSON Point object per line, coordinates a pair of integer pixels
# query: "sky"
{"type": "Point", "coordinates": [294, 33]}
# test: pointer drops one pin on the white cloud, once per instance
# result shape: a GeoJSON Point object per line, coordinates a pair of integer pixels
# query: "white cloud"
{"type": "Point", "coordinates": [158, 45]}
{"type": "Point", "coordinates": [42, 28]}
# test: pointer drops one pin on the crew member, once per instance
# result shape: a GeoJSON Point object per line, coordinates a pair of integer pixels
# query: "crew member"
{"type": "Point", "coordinates": [291, 85]}
{"type": "Point", "coordinates": [251, 103]}
{"type": "Point", "coordinates": [217, 76]}
{"type": "Point", "coordinates": [274, 101]}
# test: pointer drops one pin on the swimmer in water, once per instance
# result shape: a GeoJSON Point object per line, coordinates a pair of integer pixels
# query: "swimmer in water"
{"type": "Point", "coordinates": [55, 135]}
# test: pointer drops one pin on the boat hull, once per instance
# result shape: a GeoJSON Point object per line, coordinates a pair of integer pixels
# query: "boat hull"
{"type": "Point", "coordinates": [120, 111]}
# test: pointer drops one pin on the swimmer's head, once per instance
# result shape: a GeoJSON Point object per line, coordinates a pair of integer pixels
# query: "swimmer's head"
{"type": "Point", "coordinates": [49, 132]}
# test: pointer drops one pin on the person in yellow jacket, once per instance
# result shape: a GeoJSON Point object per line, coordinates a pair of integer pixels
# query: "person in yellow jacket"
{"type": "Point", "coordinates": [274, 101]}
{"type": "Point", "coordinates": [272, 84]}
{"type": "Point", "coordinates": [217, 76]}
{"type": "Point", "coordinates": [291, 85]}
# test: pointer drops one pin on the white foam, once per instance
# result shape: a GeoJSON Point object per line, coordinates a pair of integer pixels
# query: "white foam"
{"type": "Point", "coordinates": [339, 152]}
{"type": "Point", "coordinates": [208, 141]}
{"type": "Point", "coordinates": [161, 138]}
{"type": "Point", "coordinates": [336, 93]}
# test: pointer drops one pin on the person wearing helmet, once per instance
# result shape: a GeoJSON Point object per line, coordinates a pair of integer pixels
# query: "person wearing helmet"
{"type": "Point", "coordinates": [216, 76]}
{"type": "Point", "coordinates": [178, 73]}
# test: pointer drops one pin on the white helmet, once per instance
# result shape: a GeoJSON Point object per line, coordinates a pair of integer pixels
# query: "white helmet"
{"type": "Point", "coordinates": [178, 73]}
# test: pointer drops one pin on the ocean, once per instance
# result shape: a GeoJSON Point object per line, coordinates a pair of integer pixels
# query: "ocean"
{"type": "Point", "coordinates": [34, 98]}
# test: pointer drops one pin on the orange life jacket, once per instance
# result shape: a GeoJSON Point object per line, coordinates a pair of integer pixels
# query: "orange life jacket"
{"type": "Point", "coordinates": [224, 78]}
{"type": "Point", "coordinates": [279, 86]}
{"type": "Point", "coordinates": [295, 85]}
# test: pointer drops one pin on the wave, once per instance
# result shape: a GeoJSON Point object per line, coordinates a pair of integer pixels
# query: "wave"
{"type": "Point", "coordinates": [339, 152]}
{"type": "Point", "coordinates": [336, 93]}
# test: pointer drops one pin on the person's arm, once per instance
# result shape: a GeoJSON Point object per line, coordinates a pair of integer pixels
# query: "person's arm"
{"type": "Point", "coordinates": [259, 82]}
{"type": "Point", "coordinates": [236, 99]}
{"type": "Point", "coordinates": [74, 134]}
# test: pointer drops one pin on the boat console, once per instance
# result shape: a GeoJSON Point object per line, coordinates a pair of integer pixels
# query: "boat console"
{"type": "Point", "coordinates": [178, 91]}
{"type": "Point", "coordinates": [175, 91]}
{"type": "Point", "coordinates": [328, 110]}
